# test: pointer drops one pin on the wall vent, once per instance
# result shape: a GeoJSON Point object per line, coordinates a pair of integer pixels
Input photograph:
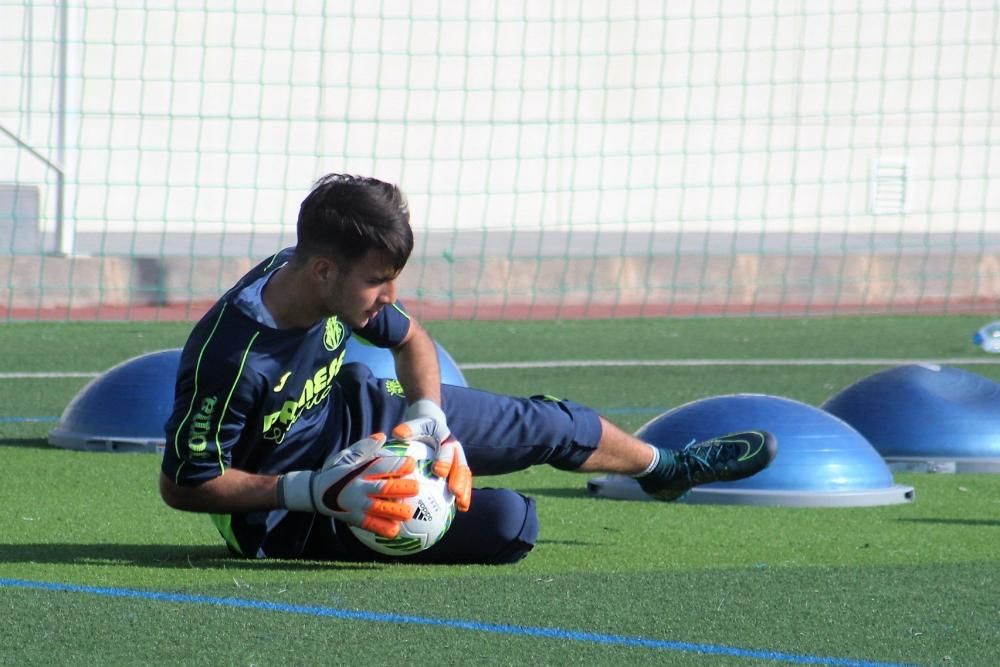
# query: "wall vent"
{"type": "Point", "coordinates": [888, 187]}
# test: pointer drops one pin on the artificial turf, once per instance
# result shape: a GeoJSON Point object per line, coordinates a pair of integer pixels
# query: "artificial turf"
{"type": "Point", "coordinates": [915, 583]}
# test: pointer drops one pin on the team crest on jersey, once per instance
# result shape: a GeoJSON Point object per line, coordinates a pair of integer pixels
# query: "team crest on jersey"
{"type": "Point", "coordinates": [334, 334]}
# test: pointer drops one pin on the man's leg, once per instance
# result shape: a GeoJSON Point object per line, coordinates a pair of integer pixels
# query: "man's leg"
{"type": "Point", "coordinates": [619, 452]}
{"type": "Point", "coordinates": [500, 527]}
{"type": "Point", "coordinates": [503, 433]}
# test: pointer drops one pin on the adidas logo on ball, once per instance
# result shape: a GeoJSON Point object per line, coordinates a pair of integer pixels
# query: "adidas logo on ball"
{"type": "Point", "coordinates": [420, 513]}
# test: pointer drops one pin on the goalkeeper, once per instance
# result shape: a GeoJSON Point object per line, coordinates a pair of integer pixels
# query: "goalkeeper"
{"type": "Point", "coordinates": [269, 424]}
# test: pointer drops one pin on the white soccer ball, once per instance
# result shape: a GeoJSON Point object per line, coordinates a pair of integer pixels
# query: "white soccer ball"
{"type": "Point", "coordinates": [433, 507]}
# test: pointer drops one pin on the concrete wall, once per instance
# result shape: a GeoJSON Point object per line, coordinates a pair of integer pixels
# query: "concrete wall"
{"type": "Point", "coordinates": [511, 287]}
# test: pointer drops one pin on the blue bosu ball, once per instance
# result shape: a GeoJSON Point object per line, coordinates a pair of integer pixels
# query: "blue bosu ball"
{"type": "Point", "coordinates": [123, 409]}
{"type": "Point", "coordinates": [382, 364]}
{"type": "Point", "coordinates": [821, 460]}
{"type": "Point", "coordinates": [926, 417]}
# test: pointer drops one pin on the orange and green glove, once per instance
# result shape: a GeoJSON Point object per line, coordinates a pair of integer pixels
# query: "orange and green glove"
{"type": "Point", "coordinates": [424, 418]}
{"type": "Point", "coordinates": [356, 487]}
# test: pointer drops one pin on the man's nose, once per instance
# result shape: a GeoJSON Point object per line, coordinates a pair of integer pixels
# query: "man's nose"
{"type": "Point", "coordinates": [388, 292]}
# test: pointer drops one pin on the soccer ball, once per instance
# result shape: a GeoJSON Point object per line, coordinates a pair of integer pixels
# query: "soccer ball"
{"type": "Point", "coordinates": [433, 507]}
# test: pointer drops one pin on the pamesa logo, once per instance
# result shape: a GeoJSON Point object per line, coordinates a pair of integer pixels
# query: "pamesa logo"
{"type": "Point", "coordinates": [334, 334]}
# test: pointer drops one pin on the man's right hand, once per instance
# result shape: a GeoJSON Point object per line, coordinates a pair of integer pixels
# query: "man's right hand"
{"type": "Point", "coordinates": [356, 487]}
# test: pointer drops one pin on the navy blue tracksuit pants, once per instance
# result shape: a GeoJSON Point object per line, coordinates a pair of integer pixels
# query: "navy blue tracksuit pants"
{"type": "Point", "coordinates": [499, 433]}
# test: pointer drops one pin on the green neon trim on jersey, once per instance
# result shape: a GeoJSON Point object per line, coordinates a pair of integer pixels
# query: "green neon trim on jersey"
{"type": "Point", "coordinates": [224, 524]}
{"type": "Point", "coordinates": [194, 394]}
{"type": "Point", "coordinates": [229, 397]}
{"type": "Point", "coordinates": [270, 263]}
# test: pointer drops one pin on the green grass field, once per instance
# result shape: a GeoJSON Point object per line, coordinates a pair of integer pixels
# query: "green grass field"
{"type": "Point", "coordinates": [95, 569]}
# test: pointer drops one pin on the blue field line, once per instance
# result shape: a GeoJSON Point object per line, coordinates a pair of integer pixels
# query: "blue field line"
{"type": "Point", "coordinates": [475, 626]}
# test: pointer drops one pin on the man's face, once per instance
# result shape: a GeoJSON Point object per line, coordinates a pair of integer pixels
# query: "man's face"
{"type": "Point", "coordinates": [358, 290]}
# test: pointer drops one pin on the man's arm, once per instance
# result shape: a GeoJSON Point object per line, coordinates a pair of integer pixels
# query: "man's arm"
{"type": "Point", "coordinates": [235, 491]}
{"type": "Point", "coordinates": [417, 365]}
{"type": "Point", "coordinates": [372, 501]}
{"type": "Point", "coordinates": [420, 374]}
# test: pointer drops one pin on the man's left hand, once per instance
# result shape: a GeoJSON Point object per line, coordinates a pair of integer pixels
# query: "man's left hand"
{"type": "Point", "coordinates": [425, 418]}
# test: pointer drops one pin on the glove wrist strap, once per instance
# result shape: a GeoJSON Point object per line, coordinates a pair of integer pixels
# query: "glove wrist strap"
{"type": "Point", "coordinates": [425, 407]}
{"type": "Point", "coordinates": [295, 491]}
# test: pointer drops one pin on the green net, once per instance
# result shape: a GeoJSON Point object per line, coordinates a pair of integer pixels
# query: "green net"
{"type": "Point", "coordinates": [562, 159]}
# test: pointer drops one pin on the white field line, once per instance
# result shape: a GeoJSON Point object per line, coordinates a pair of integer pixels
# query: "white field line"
{"type": "Point", "coordinates": [47, 374]}
{"type": "Point", "coordinates": [583, 363]}
{"type": "Point", "coordinates": [621, 363]}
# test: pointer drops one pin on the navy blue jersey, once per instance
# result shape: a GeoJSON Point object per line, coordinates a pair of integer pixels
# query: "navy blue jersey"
{"type": "Point", "coordinates": [256, 398]}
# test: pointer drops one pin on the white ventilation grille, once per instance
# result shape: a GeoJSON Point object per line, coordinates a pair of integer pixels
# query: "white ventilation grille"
{"type": "Point", "coordinates": [888, 187]}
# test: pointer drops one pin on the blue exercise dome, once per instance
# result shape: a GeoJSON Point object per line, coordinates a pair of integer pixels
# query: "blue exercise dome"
{"type": "Point", "coordinates": [821, 460]}
{"type": "Point", "coordinates": [383, 365]}
{"type": "Point", "coordinates": [123, 409]}
{"type": "Point", "coordinates": [925, 417]}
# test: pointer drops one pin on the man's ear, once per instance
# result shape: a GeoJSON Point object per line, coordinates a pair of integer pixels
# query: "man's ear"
{"type": "Point", "coordinates": [322, 269]}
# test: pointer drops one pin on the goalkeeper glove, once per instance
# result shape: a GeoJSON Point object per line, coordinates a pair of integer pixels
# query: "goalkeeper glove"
{"type": "Point", "coordinates": [355, 487]}
{"type": "Point", "coordinates": [425, 418]}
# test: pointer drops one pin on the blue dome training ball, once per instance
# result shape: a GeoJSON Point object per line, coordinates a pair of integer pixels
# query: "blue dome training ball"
{"type": "Point", "coordinates": [383, 365]}
{"type": "Point", "coordinates": [124, 408]}
{"type": "Point", "coordinates": [821, 461]}
{"type": "Point", "coordinates": [816, 451]}
{"type": "Point", "coordinates": [926, 412]}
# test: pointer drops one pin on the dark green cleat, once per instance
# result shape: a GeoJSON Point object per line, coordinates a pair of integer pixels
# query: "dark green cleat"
{"type": "Point", "coordinates": [723, 459]}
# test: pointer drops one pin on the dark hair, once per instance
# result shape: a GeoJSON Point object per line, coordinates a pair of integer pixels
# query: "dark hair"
{"type": "Point", "coordinates": [346, 216]}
